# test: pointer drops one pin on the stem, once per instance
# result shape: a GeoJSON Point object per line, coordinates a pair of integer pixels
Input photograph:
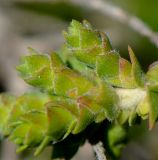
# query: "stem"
{"type": "Point", "coordinates": [99, 151]}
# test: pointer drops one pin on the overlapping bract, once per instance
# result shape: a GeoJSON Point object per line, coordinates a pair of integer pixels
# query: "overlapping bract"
{"type": "Point", "coordinates": [70, 106]}
{"type": "Point", "coordinates": [87, 81]}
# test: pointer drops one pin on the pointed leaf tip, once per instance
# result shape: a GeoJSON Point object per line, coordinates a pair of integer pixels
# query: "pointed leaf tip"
{"type": "Point", "coordinates": [36, 70]}
{"type": "Point", "coordinates": [56, 61]}
{"type": "Point", "coordinates": [22, 148]}
{"type": "Point", "coordinates": [87, 24]}
{"type": "Point", "coordinates": [42, 146]}
{"type": "Point", "coordinates": [32, 51]}
{"type": "Point", "coordinates": [137, 72]}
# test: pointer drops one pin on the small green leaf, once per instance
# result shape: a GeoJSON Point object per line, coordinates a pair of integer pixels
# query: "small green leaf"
{"type": "Point", "coordinates": [59, 120]}
{"type": "Point", "coordinates": [107, 68]}
{"type": "Point", "coordinates": [56, 61]}
{"type": "Point", "coordinates": [86, 43]}
{"type": "Point", "coordinates": [70, 83]}
{"type": "Point", "coordinates": [36, 70]}
{"type": "Point", "coordinates": [125, 75]}
{"type": "Point", "coordinates": [137, 72]}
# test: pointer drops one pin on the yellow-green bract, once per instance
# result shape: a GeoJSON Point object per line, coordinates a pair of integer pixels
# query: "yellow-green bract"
{"type": "Point", "coordinates": [86, 81]}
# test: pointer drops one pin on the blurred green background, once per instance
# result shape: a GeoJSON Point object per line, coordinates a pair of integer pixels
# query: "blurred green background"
{"type": "Point", "coordinates": [38, 24]}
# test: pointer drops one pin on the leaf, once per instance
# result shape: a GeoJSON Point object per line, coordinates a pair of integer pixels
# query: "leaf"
{"type": "Point", "coordinates": [36, 70]}
{"type": "Point", "coordinates": [70, 83]}
{"type": "Point", "coordinates": [86, 43]}
{"type": "Point", "coordinates": [136, 69]}
{"type": "Point", "coordinates": [56, 61]}
{"type": "Point", "coordinates": [107, 68]}
{"type": "Point", "coordinates": [126, 78]}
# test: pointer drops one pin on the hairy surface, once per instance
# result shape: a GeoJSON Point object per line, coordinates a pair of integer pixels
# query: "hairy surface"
{"type": "Point", "coordinates": [86, 81]}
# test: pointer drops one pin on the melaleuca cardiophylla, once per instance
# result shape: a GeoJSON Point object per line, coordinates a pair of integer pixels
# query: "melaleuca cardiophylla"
{"type": "Point", "coordinates": [86, 81]}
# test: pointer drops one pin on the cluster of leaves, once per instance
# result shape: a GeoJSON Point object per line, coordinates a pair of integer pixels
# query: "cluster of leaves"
{"type": "Point", "coordinates": [82, 87]}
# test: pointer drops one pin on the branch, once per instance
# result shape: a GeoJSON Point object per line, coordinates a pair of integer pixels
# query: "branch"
{"type": "Point", "coordinates": [99, 151]}
{"type": "Point", "coordinates": [121, 16]}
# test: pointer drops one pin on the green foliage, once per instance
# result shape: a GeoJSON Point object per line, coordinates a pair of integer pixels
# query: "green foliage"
{"type": "Point", "coordinates": [86, 82]}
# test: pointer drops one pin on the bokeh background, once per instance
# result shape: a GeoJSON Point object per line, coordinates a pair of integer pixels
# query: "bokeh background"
{"type": "Point", "coordinates": [38, 24]}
